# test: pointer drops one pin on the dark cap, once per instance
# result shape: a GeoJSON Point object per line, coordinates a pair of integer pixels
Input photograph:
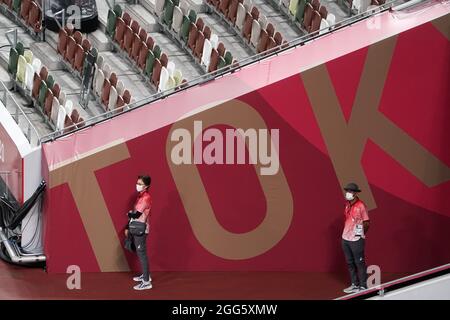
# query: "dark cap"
{"type": "Point", "coordinates": [352, 187]}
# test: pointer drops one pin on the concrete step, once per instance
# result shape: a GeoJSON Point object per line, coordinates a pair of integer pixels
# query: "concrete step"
{"type": "Point", "coordinates": [144, 17]}
{"type": "Point", "coordinates": [100, 41]}
{"type": "Point", "coordinates": [48, 56]}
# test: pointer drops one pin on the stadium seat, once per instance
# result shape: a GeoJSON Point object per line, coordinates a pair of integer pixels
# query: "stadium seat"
{"type": "Point", "coordinates": [105, 93]}
{"type": "Point", "coordinates": [149, 63]}
{"type": "Point", "coordinates": [168, 13]}
{"type": "Point", "coordinates": [150, 43]}
{"type": "Point", "coordinates": [192, 36]}
{"type": "Point", "coordinates": [324, 26]}
{"type": "Point", "coordinates": [135, 47]}
{"type": "Point", "coordinates": [135, 26]}
{"type": "Point", "coordinates": [71, 49]}
{"type": "Point", "coordinates": [118, 10]}
{"type": "Point", "coordinates": [48, 103]}
{"type": "Point", "coordinates": [177, 20]}
{"type": "Point", "coordinates": [100, 79]}
{"type": "Point", "coordinates": [221, 63]}
{"type": "Point", "coordinates": [278, 38]}
{"type": "Point", "coordinates": [34, 17]}
{"type": "Point", "coordinates": [256, 32]}
{"type": "Point", "coordinates": [214, 60]}
{"type": "Point", "coordinates": [54, 112]}
{"type": "Point", "coordinates": [28, 55]}
{"type": "Point", "coordinates": [207, 32]}
{"type": "Point", "coordinates": [247, 29]}
{"type": "Point", "coordinates": [293, 5]}
{"type": "Point", "coordinates": [68, 106]}
{"type": "Point", "coordinates": [199, 45]}
{"type": "Point", "coordinates": [143, 34]}
{"type": "Point", "coordinates": [223, 6]}
{"type": "Point", "coordinates": [21, 68]}
{"type": "Point", "coordinates": [62, 42]}
{"type": "Point", "coordinates": [157, 51]}
{"type": "Point", "coordinates": [111, 23]}
{"type": "Point", "coordinates": [315, 24]}
{"type": "Point", "coordinates": [206, 54]}
{"type": "Point", "coordinates": [13, 60]}
{"type": "Point", "coordinates": [164, 60]}
{"type": "Point", "coordinates": [262, 21]}
{"type": "Point", "coordinates": [192, 16]}
{"type": "Point", "coordinates": [184, 31]}
{"type": "Point", "coordinates": [323, 12]}
{"type": "Point", "coordinates": [86, 44]}
{"type": "Point", "coordinates": [81, 122]}
{"type": "Point", "coordinates": [232, 11]}
{"type": "Point", "coordinates": [331, 19]}
{"type": "Point", "coordinates": [36, 86]}
{"type": "Point", "coordinates": [300, 11]}
{"type": "Point", "coordinates": [163, 78]}
{"type": "Point", "coordinates": [255, 13]}
{"type": "Point", "coordinates": [61, 118]}
{"type": "Point", "coordinates": [113, 79]}
{"type": "Point", "coordinates": [29, 75]}
{"type": "Point", "coordinates": [120, 87]}
{"type": "Point", "coordinates": [156, 73]}
{"type": "Point", "coordinates": [78, 37]}
{"type": "Point", "coordinates": [200, 24]}
{"type": "Point", "coordinates": [270, 29]}
{"type": "Point", "coordinates": [177, 76]}
{"type": "Point", "coordinates": [78, 61]}
{"type": "Point", "coordinates": [214, 41]}
{"type": "Point", "coordinates": [75, 116]}
{"type": "Point", "coordinates": [126, 18]}
{"type": "Point", "coordinates": [240, 16]}
{"type": "Point", "coordinates": [43, 73]}
{"type": "Point", "coordinates": [42, 94]}
{"type": "Point", "coordinates": [247, 4]}
{"type": "Point", "coordinates": [271, 44]}
{"type": "Point", "coordinates": [36, 65]}
{"type": "Point", "coordinates": [159, 7]}
{"type": "Point", "coordinates": [184, 6]}
{"type": "Point", "coordinates": [142, 56]}
{"type": "Point", "coordinates": [228, 58]}
{"type": "Point", "coordinates": [221, 49]}
{"type": "Point", "coordinates": [315, 4]}
{"type": "Point", "coordinates": [307, 19]}
{"type": "Point", "coordinates": [126, 97]}
{"type": "Point", "coordinates": [62, 98]}
{"type": "Point", "coordinates": [56, 89]}
{"type": "Point", "coordinates": [127, 40]}
{"type": "Point", "coordinates": [112, 99]}
{"type": "Point", "coordinates": [263, 42]}
{"type": "Point", "coordinates": [25, 9]}
{"type": "Point", "coordinates": [68, 124]}
{"type": "Point", "coordinates": [119, 104]}
{"type": "Point", "coordinates": [171, 68]}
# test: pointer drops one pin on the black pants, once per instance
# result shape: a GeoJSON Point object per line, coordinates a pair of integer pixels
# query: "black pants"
{"type": "Point", "coordinates": [141, 249]}
{"type": "Point", "coordinates": [354, 256]}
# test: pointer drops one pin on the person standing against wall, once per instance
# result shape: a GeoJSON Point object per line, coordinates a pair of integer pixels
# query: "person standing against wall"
{"type": "Point", "coordinates": [353, 238]}
{"type": "Point", "coordinates": [138, 227]}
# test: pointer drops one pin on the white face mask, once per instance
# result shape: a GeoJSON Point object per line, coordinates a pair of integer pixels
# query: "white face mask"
{"type": "Point", "coordinates": [139, 188]}
{"type": "Point", "coordinates": [349, 196]}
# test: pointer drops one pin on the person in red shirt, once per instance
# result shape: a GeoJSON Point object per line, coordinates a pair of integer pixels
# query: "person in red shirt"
{"type": "Point", "coordinates": [353, 238]}
{"type": "Point", "coordinates": [141, 213]}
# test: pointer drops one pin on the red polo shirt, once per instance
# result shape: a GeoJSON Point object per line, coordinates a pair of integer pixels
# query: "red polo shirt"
{"type": "Point", "coordinates": [354, 215]}
{"type": "Point", "coordinates": [143, 204]}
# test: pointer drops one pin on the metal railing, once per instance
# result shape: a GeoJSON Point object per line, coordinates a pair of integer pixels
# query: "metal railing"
{"type": "Point", "coordinates": [202, 79]}
{"type": "Point", "coordinates": [403, 282]}
{"type": "Point", "coordinates": [19, 115]}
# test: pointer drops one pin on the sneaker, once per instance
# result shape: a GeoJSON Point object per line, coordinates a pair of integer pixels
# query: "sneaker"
{"type": "Point", "coordinates": [143, 286]}
{"type": "Point", "coordinates": [351, 289]}
{"type": "Point", "coordinates": [141, 278]}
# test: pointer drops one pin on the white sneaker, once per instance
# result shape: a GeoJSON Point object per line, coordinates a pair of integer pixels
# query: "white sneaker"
{"type": "Point", "coordinates": [143, 286]}
{"type": "Point", "coordinates": [141, 278]}
{"type": "Point", "coordinates": [351, 289]}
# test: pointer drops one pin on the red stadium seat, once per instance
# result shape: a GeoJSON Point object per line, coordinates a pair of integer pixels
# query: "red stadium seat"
{"type": "Point", "coordinates": [86, 44]}
{"type": "Point", "coordinates": [214, 61]}
{"type": "Point", "coordinates": [78, 61]}
{"type": "Point", "coordinates": [307, 19]}
{"type": "Point", "coordinates": [164, 60]}
{"type": "Point", "coordinates": [135, 26]}
{"type": "Point", "coordinates": [221, 49]}
{"type": "Point", "coordinates": [156, 72]}
{"type": "Point", "coordinates": [207, 32]}
{"type": "Point", "coordinates": [199, 45]}
{"type": "Point", "coordinates": [43, 73]}
{"type": "Point", "coordinates": [135, 47]}
{"type": "Point", "coordinates": [48, 103]}
{"type": "Point", "coordinates": [316, 20]}
{"type": "Point", "coordinates": [25, 9]}
{"type": "Point", "coordinates": [150, 43]}
{"type": "Point", "coordinates": [263, 41]}
{"type": "Point", "coordinates": [126, 97]}
{"type": "Point", "coordinates": [70, 49]}
{"type": "Point", "coordinates": [126, 18]}
{"type": "Point", "coordinates": [223, 6]}
{"type": "Point", "coordinates": [270, 29]}
{"type": "Point", "coordinates": [113, 79]}
{"type": "Point", "coordinates": [200, 24]}
{"type": "Point", "coordinates": [62, 42]}
{"type": "Point", "coordinates": [143, 56]}
{"type": "Point", "coordinates": [120, 30]}
{"type": "Point", "coordinates": [105, 93]}
{"type": "Point", "coordinates": [128, 40]}
{"type": "Point", "coordinates": [232, 11]}
{"type": "Point", "coordinates": [247, 30]}
{"type": "Point", "coordinates": [192, 36]}
{"type": "Point", "coordinates": [255, 13]}
{"type": "Point", "coordinates": [143, 35]}
{"type": "Point", "coordinates": [78, 37]}
{"type": "Point", "coordinates": [278, 38]}
{"type": "Point", "coordinates": [323, 12]}
{"type": "Point", "coordinates": [56, 90]}
{"type": "Point", "coordinates": [36, 85]}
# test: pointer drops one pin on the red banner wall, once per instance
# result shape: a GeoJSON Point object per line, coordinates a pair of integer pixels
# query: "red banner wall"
{"type": "Point", "coordinates": [378, 116]}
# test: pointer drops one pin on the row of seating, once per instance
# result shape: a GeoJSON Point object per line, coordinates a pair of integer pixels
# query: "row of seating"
{"type": "Point", "coordinates": [108, 89]}
{"type": "Point", "coordinates": [74, 49]}
{"type": "Point", "coordinates": [142, 50]}
{"type": "Point", "coordinates": [253, 27]}
{"type": "Point", "coordinates": [309, 14]}
{"type": "Point", "coordinates": [195, 36]}
{"type": "Point", "coordinates": [33, 77]}
{"type": "Point", "coordinates": [28, 11]}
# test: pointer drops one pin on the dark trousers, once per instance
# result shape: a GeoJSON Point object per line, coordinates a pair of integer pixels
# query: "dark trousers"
{"type": "Point", "coordinates": [354, 256]}
{"type": "Point", "coordinates": [141, 249]}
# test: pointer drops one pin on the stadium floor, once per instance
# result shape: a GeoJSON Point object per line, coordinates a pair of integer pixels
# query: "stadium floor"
{"type": "Point", "coordinates": [24, 283]}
